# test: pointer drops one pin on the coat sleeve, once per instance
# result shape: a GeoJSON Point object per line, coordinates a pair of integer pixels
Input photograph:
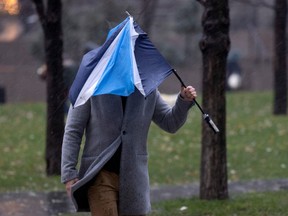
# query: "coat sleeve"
{"type": "Point", "coordinates": [76, 122]}
{"type": "Point", "coordinates": [170, 118]}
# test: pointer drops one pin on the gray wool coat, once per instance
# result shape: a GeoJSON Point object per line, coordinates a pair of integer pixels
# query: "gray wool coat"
{"type": "Point", "coordinates": [106, 127]}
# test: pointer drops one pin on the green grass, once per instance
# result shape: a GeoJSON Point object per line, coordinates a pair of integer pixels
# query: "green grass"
{"type": "Point", "coordinates": [255, 204]}
{"type": "Point", "coordinates": [257, 143]}
{"type": "Point", "coordinates": [22, 138]}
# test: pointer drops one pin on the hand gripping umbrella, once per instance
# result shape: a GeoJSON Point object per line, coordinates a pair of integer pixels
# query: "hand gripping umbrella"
{"type": "Point", "coordinates": [206, 116]}
{"type": "Point", "coordinates": [125, 61]}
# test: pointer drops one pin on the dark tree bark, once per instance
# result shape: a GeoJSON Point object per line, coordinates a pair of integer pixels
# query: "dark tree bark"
{"type": "Point", "coordinates": [50, 18]}
{"type": "Point", "coordinates": [280, 55]}
{"type": "Point", "coordinates": [215, 45]}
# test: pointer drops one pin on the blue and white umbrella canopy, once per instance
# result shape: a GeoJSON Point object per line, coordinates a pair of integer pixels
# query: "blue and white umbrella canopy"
{"type": "Point", "coordinates": [126, 60]}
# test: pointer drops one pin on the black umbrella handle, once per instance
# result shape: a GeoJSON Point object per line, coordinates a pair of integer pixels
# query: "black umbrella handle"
{"type": "Point", "coordinates": [206, 117]}
{"type": "Point", "coordinates": [211, 123]}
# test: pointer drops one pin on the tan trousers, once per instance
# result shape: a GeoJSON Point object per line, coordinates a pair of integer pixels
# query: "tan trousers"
{"type": "Point", "coordinates": [103, 195]}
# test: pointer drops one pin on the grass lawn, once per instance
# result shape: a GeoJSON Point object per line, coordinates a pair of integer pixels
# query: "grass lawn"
{"type": "Point", "coordinates": [22, 143]}
{"type": "Point", "coordinates": [257, 145]}
{"type": "Point", "coordinates": [255, 204]}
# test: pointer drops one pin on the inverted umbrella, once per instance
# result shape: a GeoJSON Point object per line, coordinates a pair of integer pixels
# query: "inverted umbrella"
{"type": "Point", "coordinates": [126, 60]}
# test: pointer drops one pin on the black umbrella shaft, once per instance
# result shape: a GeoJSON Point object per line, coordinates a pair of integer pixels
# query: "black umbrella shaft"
{"type": "Point", "coordinates": [205, 115]}
{"type": "Point", "coordinates": [182, 83]}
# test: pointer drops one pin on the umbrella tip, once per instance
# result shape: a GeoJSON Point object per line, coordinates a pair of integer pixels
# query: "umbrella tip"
{"type": "Point", "coordinates": [128, 13]}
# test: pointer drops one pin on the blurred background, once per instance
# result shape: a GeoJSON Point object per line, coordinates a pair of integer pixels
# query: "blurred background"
{"type": "Point", "coordinates": [175, 29]}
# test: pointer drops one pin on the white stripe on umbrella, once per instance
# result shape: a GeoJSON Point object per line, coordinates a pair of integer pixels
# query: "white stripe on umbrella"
{"type": "Point", "coordinates": [91, 83]}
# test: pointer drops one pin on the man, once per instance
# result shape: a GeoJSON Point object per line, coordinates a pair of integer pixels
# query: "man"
{"type": "Point", "coordinates": [113, 175]}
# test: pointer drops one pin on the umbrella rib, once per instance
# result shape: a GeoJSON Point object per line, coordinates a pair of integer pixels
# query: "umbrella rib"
{"type": "Point", "coordinates": [128, 13]}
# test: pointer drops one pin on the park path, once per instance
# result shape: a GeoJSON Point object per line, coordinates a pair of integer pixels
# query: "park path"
{"type": "Point", "coordinates": [53, 203]}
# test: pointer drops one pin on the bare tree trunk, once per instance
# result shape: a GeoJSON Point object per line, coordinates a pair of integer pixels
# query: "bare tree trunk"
{"type": "Point", "coordinates": [215, 46]}
{"type": "Point", "coordinates": [280, 55]}
{"type": "Point", "coordinates": [52, 27]}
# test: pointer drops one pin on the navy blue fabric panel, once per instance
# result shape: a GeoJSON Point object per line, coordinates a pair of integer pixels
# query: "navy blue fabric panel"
{"type": "Point", "coordinates": [152, 66]}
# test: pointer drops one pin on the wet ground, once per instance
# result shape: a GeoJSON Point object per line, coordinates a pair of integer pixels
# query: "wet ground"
{"type": "Point", "coordinates": [34, 204]}
{"type": "Point", "coordinates": [54, 203]}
